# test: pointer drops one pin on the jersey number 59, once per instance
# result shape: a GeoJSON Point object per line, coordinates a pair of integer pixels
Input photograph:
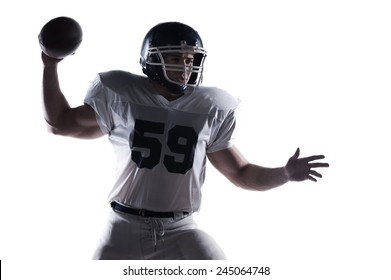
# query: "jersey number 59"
{"type": "Point", "coordinates": [181, 140]}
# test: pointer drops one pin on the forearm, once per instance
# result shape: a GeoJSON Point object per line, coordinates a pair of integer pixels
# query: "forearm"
{"type": "Point", "coordinates": [258, 178]}
{"type": "Point", "coordinates": [54, 102]}
{"type": "Point", "coordinates": [233, 165]}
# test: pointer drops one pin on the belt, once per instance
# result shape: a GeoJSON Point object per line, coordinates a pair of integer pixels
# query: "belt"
{"type": "Point", "coordinates": [143, 212]}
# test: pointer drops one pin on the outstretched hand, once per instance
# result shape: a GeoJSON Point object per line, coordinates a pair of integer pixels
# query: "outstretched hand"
{"type": "Point", "coordinates": [300, 169]}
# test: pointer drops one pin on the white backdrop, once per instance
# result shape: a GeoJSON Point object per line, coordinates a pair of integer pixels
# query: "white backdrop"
{"type": "Point", "coordinates": [310, 74]}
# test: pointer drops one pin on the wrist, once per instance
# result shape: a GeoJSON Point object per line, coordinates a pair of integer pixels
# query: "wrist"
{"type": "Point", "coordinates": [50, 65]}
{"type": "Point", "coordinates": [49, 61]}
{"type": "Point", "coordinates": [285, 175]}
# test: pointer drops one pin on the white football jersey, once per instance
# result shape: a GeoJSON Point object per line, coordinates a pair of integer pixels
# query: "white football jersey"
{"type": "Point", "coordinates": [160, 145]}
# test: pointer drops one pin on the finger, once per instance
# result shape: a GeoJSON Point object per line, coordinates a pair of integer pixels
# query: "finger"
{"type": "Point", "coordinates": [297, 153]}
{"type": "Point", "coordinates": [314, 173]}
{"type": "Point", "coordinates": [45, 57]}
{"type": "Point", "coordinates": [311, 178]}
{"type": "Point", "coordinates": [318, 164]}
{"type": "Point", "coordinates": [312, 158]}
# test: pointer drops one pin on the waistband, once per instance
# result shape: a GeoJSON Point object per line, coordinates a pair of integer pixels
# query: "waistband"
{"type": "Point", "coordinates": [145, 213]}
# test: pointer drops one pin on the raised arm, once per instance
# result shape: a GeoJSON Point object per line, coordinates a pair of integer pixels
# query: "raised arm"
{"type": "Point", "coordinates": [232, 164]}
{"type": "Point", "coordinates": [79, 122]}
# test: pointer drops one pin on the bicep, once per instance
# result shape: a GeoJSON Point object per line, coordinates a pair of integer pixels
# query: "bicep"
{"type": "Point", "coordinates": [230, 162]}
{"type": "Point", "coordinates": [79, 122]}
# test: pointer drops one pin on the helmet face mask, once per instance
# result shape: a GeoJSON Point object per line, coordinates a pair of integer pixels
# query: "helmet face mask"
{"type": "Point", "coordinates": [173, 38]}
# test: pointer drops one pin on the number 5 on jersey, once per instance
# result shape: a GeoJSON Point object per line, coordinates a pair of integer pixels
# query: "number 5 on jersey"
{"type": "Point", "coordinates": [181, 140]}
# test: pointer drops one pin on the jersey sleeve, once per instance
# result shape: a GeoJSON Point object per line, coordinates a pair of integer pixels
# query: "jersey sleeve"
{"type": "Point", "coordinates": [98, 98]}
{"type": "Point", "coordinates": [222, 136]}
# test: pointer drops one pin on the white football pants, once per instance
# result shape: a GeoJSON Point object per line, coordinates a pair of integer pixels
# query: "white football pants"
{"type": "Point", "coordinates": [132, 237]}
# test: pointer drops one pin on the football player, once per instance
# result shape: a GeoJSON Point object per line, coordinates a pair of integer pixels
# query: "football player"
{"type": "Point", "coordinates": [163, 127]}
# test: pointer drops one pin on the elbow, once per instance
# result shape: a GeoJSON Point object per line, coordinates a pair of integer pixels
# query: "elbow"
{"type": "Point", "coordinates": [249, 178]}
{"type": "Point", "coordinates": [240, 184]}
{"type": "Point", "coordinates": [246, 185]}
{"type": "Point", "coordinates": [52, 129]}
{"type": "Point", "coordinates": [55, 129]}
{"type": "Point", "coordinates": [241, 180]}
{"type": "Point", "coordinates": [74, 132]}
{"type": "Point", "coordinates": [251, 186]}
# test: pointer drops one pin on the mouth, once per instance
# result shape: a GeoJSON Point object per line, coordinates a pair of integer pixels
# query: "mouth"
{"type": "Point", "coordinates": [180, 80]}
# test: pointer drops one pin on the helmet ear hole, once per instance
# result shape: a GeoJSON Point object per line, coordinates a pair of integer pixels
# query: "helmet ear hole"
{"type": "Point", "coordinates": [154, 58]}
{"type": "Point", "coordinates": [142, 63]}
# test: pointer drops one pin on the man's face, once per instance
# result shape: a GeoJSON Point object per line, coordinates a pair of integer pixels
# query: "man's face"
{"type": "Point", "coordinates": [183, 63]}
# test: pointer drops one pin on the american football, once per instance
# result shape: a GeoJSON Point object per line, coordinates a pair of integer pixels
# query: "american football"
{"type": "Point", "coordinates": [60, 37]}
